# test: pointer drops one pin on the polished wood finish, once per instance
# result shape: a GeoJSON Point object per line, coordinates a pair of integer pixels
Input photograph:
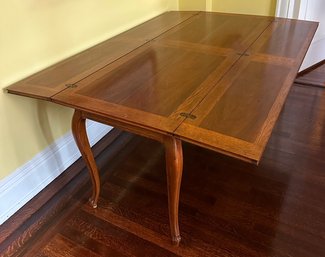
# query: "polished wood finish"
{"type": "Point", "coordinates": [227, 207]}
{"type": "Point", "coordinates": [219, 31]}
{"type": "Point", "coordinates": [175, 71]}
{"type": "Point", "coordinates": [174, 170]}
{"type": "Point", "coordinates": [243, 106]}
{"type": "Point", "coordinates": [80, 135]}
{"type": "Point", "coordinates": [206, 73]}
{"type": "Point", "coordinates": [215, 80]}
{"type": "Point", "coordinates": [48, 82]}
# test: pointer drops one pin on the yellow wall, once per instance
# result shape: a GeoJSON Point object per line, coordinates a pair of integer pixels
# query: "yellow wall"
{"type": "Point", "coordinates": [188, 5]}
{"type": "Point", "coordinates": [258, 7]}
{"type": "Point", "coordinates": [35, 34]}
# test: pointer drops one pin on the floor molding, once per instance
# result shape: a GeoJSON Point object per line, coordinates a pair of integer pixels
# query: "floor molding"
{"type": "Point", "coordinates": [313, 76]}
{"type": "Point", "coordinates": [28, 180]}
{"type": "Point", "coordinates": [311, 68]}
{"type": "Point", "coordinates": [315, 54]}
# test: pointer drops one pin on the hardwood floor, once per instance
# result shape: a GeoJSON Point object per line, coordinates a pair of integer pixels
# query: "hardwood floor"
{"type": "Point", "coordinates": [227, 207]}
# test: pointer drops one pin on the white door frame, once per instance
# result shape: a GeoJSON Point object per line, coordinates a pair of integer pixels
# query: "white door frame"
{"type": "Point", "coordinates": [292, 9]}
{"type": "Point", "coordinates": [297, 9]}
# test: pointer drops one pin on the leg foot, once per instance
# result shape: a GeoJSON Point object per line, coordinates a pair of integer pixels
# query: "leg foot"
{"type": "Point", "coordinates": [176, 240]}
{"type": "Point", "coordinates": [80, 136]}
{"type": "Point", "coordinates": [93, 203]}
{"type": "Point", "coordinates": [174, 169]}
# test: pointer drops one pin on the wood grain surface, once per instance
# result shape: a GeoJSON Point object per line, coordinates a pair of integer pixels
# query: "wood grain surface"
{"type": "Point", "coordinates": [245, 104]}
{"type": "Point", "coordinates": [54, 79]}
{"type": "Point", "coordinates": [215, 80]}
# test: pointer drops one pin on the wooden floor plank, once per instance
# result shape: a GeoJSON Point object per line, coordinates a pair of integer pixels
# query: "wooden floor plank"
{"type": "Point", "coordinates": [62, 246]}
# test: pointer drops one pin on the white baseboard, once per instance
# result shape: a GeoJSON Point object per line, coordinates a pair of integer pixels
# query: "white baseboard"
{"type": "Point", "coordinates": [28, 180]}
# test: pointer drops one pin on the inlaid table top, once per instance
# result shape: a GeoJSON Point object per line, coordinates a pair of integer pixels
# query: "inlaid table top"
{"type": "Point", "coordinates": [216, 80]}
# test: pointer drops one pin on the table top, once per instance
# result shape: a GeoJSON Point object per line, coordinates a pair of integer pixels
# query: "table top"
{"type": "Point", "coordinates": [216, 80]}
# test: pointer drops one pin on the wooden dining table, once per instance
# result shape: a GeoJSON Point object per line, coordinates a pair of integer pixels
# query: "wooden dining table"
{"type": "Point", "coordinates": [211, 79]}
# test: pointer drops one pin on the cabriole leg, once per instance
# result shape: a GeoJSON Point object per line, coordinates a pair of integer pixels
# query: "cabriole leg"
{"type": "Point", "coordinates": [174, 169]}
{"type": "Point", "coordinates": [80, 136]}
